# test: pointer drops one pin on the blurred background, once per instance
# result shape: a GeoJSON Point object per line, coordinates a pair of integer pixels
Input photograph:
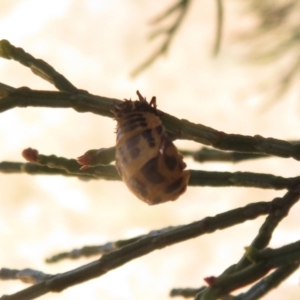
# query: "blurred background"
{"type": "Point", "coordinates": [245, 89]}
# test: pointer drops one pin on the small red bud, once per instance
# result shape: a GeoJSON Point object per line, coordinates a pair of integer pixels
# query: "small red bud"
{"type": "Point", "coordinates": [86, 159]}
{"type": "Point", "coordinates": [30, 154]}
{"type": "Point", "coordinates": [210, 280]}
{"type": "Point", "coordinates": [83, 160]}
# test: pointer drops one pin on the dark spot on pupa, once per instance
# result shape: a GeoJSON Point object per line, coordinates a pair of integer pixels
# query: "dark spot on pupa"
{"type": "Point", "coordinates": [150, 171]}
{"type": "Point", "coordinates": [134, 152]}
{"type": "Point", "coordinates": [133, 141]}
{"type": "Point", "coordinates": [170, 161]}
{"type": "Point", "coordinates": [124, 160]}
{"type": "Point", "coordinates": [122, 153]}
{"type": "Point", "coordinates": [174, 186]}
{"type": "Point", "coordinates": [159, 130]}
{"type": "Point", "coordinates": [143, 124]}
{"type": "Point", "coordinates": [138, 186]}
{"type": "Point", "coordinates": [147, 135]}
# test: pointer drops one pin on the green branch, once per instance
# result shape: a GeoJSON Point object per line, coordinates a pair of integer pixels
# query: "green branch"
{"type": "Point", "coordinates": [268, 283]}
{"type": "Point", "coordinates": [212, 155]}
{"type": "Point", "coordinates": [37, 66]}
{"type": "Point", "coordinates": [53, 165]}
{"type": "Point", "coordinates": [108, 247]}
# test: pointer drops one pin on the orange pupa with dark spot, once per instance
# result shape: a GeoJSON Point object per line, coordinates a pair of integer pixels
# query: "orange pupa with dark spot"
{"type": "Point", "coordinates": [146, 158]}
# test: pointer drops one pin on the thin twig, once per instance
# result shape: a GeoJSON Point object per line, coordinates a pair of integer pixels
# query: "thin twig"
{"type": "Point", "coordinates": [219, 28]}
{"type": "Point", "coordinates": [267, 283]}
{"type": "Point", "coordinates": [186, 292]}
{"type": "Point", "coordinates": [53, 165]}
{"type": "Point", "coordinates": [26, 275]}
{"type": "Point", "coordinates": [245, 179]}
{"type": "Point", "coordinates": [9, 167]}
{"type": "Point", "coordinates": [5, 90]}
{"type": "Point", "coordinates": [88, 251]}
{"type": "Point", "coordinates": [278, 19]}
{"type": "Point", "coordinates": [37, 66]}
{"type": "Point", "coordinates": [181, 6]}
{"type": "Point", "coordinates": [212, 155]}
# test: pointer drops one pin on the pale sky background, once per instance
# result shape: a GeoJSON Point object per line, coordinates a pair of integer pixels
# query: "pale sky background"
{"type": "Point", "coordinates": [96, 44]}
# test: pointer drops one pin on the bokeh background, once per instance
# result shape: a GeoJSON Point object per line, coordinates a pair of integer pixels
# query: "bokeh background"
{"type": "Point", "coordinates": [96, 44]}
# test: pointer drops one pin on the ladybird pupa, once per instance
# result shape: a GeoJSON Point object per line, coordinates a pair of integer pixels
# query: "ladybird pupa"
{"type": "Point", "coordinates": [146, 158]}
